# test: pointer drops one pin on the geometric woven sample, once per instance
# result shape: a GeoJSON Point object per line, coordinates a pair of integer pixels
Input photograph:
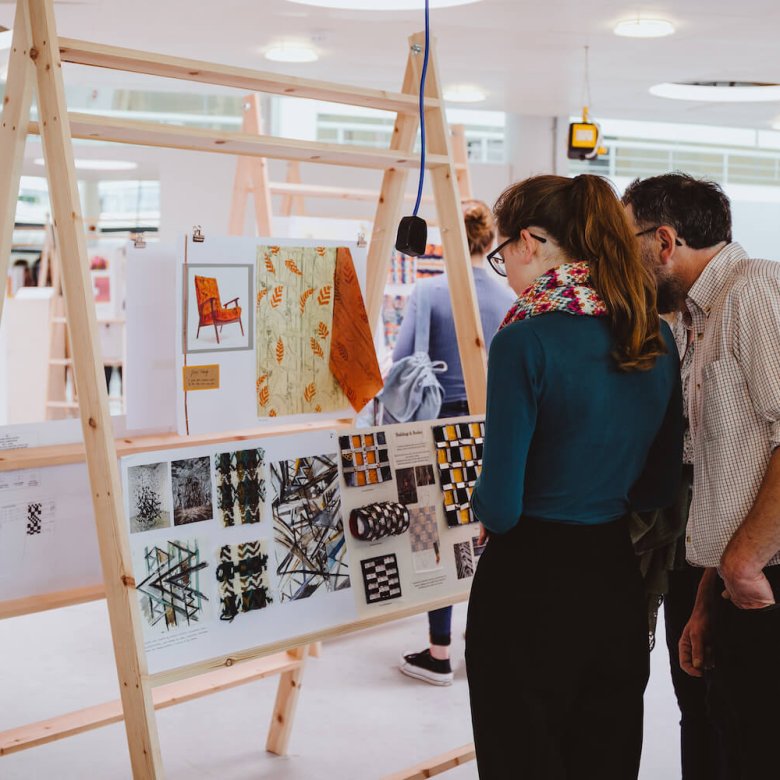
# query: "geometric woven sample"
{"type": "Point", "coordinates": [311, 552]}
{"type": "Point", "coordinates": [34, 512]}
{"type": "Point", "coordinates": [365, 459]}
{"type": "Point", "coordinates": [381, 579]}
{"type": "Point", "coordinates": [424, 535]}
{"type": "Point", "coordinates": [464, 562]}
{"type": "Point", "coordinates": [242, 574]}
{"type": "Point", "coordinates": [240, 486]}
{"type": "Point", "coordinates": [171, 595]}
{"type": "Point", "coordinates": [459, 458]}
{"type": "Point", "coordinates": [376, 521]}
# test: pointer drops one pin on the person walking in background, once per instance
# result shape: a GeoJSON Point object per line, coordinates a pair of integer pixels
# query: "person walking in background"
{"type": "Point", "coordinates": [732, 308]}
{"type": "Point", "coordinates": [584, 425]}
{"type": "Point", "coordinates": [493, 299]}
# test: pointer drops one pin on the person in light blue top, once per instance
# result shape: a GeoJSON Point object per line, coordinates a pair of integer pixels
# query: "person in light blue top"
{"type": "Point", "coordinates": [583, 426]}
{"type": "Point", "coordinates": [494, 298]}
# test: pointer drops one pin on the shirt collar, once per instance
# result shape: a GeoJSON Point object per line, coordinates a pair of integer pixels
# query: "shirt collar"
{"type": "Point", "coordinates": [708, 286]}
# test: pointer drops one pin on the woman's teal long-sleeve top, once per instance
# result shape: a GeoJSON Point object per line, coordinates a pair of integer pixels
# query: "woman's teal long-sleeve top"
{"type": "Point", "coordinates": [569, 436]}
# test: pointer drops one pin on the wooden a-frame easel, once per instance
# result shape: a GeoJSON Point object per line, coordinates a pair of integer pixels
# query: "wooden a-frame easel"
{"type": "Point", "coordinates": [35, 66]}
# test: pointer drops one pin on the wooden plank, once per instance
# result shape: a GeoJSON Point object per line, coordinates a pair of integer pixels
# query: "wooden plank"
{"type": "Point", "coordinates": [463, 294]}
{"type": "Point", "coordinates": [42, 732]}
{"type": "Point", "coordinates": [291, 190]}
{"type": "Point", "coordinates": [131, 60]}
{"type": "Point", "coordinates": [437, 765]}
{"type": "Point", "coordinates": [388, 210]}
{"type": "Point", "coordinates": [292, 205]}
{"type": "Point", "coordinates": [287, 696]}
{"type": "Point", "coordinates": [63, 598]}
{"type": "Point", "coordinates": [460, 156]}
{"type": "Point", "coordinates": [13, 134]}
{"type": "Point", "coordinates": [64, 454]}
{"type": "Point", "coordinates": [97, 127]}
{"type": "Point", "coordinates": [123, 609]}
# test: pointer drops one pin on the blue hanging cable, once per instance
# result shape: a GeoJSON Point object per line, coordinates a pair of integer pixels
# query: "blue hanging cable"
{"type": "Point", "coordinates": [422, 113]}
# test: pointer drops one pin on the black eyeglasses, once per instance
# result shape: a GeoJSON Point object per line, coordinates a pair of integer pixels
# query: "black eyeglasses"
{"type": "Point", "coordinates": [652, 230]}
{"type": "Point", "coordinates": [495, 259]}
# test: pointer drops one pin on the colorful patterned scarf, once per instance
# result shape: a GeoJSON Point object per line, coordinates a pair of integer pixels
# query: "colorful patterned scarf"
{"type": "Point", "coordinates": [567, 288]}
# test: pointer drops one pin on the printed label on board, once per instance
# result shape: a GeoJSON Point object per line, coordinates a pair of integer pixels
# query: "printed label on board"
{"type": "Point", "coordinates": [201, 377]}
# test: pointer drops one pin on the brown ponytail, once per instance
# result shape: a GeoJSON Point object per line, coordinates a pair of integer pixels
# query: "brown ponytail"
{"type": "Point", "coordinates": [480, 226]}
{"type": "Point", "coordinates": [585, 218]}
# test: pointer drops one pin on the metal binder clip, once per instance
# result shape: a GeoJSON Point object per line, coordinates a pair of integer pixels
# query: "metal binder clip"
{"type": "Point", "coordinates": [361, 241]}
{"type": "Point", "coordinates": [139, 242]}
{"type": "Point", "coordinates": [197, 235]}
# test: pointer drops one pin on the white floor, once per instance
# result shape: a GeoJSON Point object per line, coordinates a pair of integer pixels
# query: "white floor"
{"type": "Point", "coordinates": [358, 717]}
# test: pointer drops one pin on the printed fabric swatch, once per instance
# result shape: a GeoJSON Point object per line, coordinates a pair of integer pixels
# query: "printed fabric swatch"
{"type": "Point", "coordinates": [464, 561]}
{"type": "Point", "coordinates": [376, 521]}
{"type": "Point", "coordinates": [311, 552]}
{"type": "Point", "coordinates": [34, 512]}
{"type": "Point", "coordinates": [171, 596]}
{"type": "Point", "coordinates": [424, 537]}
{"type": "Point", "coordinates": [240, 486]}
{"type": "Point", "coordinates": [294, 323]}
{"type": "Point", "coordinates": [365, 459]}
{"type": "Point", "coordinates": [381, 579]}
{"type": "Point", "coordinates": [352, 355]}
{"type": "Point", "coordinates": [459, 458]}
{"type": "Point", "coordinates": [242, 574]}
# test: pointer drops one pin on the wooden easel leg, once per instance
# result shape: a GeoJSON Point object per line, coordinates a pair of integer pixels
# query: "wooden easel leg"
{"type": "Point", "coordinates": [460, 153]}
{"type": "Point", "coordinates": [284, 708]}
{"type": "Point", "coordinates": [123, 610]}
{"type": "Point", "coordinates": [13, 133]}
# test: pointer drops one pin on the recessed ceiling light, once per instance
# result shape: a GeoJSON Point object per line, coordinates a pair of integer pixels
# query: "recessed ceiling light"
{"type": "Point", "coordinates": [6, 37]}
{"type": "Point", "coordinates": [644, 28]}
{"type": "Point", "coordinates": [719, 91]}
{"type": "Point", "coordinates": [464, 93]}
{"type": "Point", "coordinates": [291, 52]}
{"type": "Point", "coordinates": [99, 165]}
{"type": "Point", "coordinates": [382, 5]}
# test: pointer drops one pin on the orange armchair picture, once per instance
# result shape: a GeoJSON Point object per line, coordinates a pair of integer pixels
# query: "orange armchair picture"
{"type": "Point", "coordinates": [211, 311]}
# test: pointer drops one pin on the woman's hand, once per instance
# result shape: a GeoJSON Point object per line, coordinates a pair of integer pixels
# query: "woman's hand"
{"type": "Point", "coordinates": [484, 535]}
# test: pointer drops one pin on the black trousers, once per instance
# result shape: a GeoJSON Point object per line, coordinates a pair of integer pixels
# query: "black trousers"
{"type": "Point", "coordinates": [557, 654]}
{"type": "Point", "coordinates": [744, 687]}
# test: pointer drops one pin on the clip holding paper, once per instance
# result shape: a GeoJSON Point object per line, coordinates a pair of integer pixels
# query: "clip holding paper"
{"type": "Point", "coordinates": [197, 235]}
{"type": "Point", "coordinates": [361, 240]}
{"type": "Point", "coordinates": [139, 242]}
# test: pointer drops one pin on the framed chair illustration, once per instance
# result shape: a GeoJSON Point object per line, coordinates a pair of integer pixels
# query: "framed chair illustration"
{"type": "Point", "coordinates": [211, 310]}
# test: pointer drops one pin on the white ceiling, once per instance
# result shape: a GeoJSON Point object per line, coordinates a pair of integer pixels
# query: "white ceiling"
{"type": "Point", "coordinates": [527, 55]}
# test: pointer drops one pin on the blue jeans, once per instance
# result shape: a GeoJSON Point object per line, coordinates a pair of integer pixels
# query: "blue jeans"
{"type": "Point", "coordinates": [440, 620]}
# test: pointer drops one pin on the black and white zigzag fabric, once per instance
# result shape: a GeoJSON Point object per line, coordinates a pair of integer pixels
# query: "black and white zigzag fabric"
{"type": "Point", "coordinates": [459, 449]}
{"type": "Point", "coordinates": [34, 514]}
{"type": "Point", "coordinates": [242, 574]}
{"type": "Point", "coordinates": [381, 578]}
{"type": "Point", "coordinates": [376, 521]}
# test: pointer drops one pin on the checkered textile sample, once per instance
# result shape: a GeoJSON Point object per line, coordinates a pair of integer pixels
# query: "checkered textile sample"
{"type": "Point", "coordinates": [464, 562]}
{"type": "Point", "coordinates": [240, 486]}
{"type": "Point", "coordinates": [34, 512]}
{"type": "Point", "coordinates": [242, 574]}
{"type": "Point", "coordinates": [376, 521]}
{"type": "Point", "coordinates": [365, 459]}
{"type": "Point", "coordinates": [381, 579]}
{"type": "Point", "coordinates": [459, 458]}
{"type": "Point", "coordinates": [424, 530]}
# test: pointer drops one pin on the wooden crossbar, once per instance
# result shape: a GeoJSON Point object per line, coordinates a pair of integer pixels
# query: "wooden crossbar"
{"type": "Point", "coordinates": [41, 732]}
{"type": "Point", "coordinates": [436, 765]}
{"type": "Point", "coordinates": [128, 131]}
{"type": "Point", "coordinates": [153, 64]}
{"type": "Point", "coordinates": [335, 193]}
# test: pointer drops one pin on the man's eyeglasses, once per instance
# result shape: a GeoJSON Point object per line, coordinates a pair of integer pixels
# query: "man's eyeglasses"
{"type": "Point", "coordinates": [497, 261]}
{"type": "Point", "coordinates": [652, 230]}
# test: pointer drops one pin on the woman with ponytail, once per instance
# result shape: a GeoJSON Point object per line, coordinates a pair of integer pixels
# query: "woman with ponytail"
{"type": "Point", "coordinates": [584, 425]}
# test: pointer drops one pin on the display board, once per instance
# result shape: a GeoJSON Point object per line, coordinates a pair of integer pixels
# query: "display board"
{"type": "Point", "coordinates": [254, 330]}
{"type": "Point", "coordinates": [239, 545]}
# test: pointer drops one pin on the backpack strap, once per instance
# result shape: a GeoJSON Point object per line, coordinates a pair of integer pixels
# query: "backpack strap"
{"type": "Point", "coordinates": [422, 323]}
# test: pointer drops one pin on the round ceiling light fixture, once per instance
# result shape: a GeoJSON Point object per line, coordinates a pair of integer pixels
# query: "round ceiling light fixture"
{"type": "Point", "coordinates": [98, 165]}
{"type": "Point", "coordinates": [6, 38]}
{"type": "Point", "coordinates": [288, 51]}
{"type": "Point", "coordinates": [719, 91]}
{"type": "Point", "coordinates": [464, 93]}
{"type": "Point", "coordinates": [382, 5]}
{"type": "Point", "coordinates": [644, 28]}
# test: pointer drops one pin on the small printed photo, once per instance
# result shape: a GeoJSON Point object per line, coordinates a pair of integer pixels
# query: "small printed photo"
{"type": "Point", "coordinates": [191, 481]}
{"type": "Point", "coordinates": [478, 548]}
{"type": "Point", "coordinates": [424, 475]}
{"type": "Point", "coordinates": [464, 562]}
{"type": "Point", "coordinates": [219, 307]}
{"type": "Point", "coordinates": [407, 487]}
{"type": "Point", "coordinates": [149, 493]}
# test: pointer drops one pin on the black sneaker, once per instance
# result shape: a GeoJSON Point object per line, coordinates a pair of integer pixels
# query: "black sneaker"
{"type": "Point", "coordinates": [423, 666]}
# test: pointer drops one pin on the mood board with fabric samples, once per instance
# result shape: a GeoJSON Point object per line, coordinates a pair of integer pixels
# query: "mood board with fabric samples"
{"type": "Point", "coordinates": [270, 330]}
{"type": "Point", "coordinates": [237, 546]}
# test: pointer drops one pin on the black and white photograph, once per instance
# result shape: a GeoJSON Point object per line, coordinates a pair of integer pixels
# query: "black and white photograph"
{"type": "Point", "coordinates": [191, 480]}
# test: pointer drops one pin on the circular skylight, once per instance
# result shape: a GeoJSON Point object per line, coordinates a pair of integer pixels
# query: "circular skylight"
{"type": "Point", "coordinates": [644, 28]}
{"type": "Point", "coordinates": [719, 91]}
{"type": "Point", "coordinates": [291, 52]}
{"type": "Point", "coordinates": [464, 93]}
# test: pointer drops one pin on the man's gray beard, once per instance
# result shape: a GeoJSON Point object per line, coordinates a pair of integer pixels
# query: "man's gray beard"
{"type": "Point", "coordinates": [671, 295]}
